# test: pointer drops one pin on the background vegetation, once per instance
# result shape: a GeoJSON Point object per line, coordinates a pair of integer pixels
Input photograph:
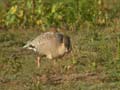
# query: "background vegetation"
{"type": "Point", "coordinates": [61, 13]}
{"type": "Point", "coordinates": [94, 28]}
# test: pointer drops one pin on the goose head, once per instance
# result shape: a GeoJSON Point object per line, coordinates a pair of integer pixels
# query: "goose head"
{"type": "Point", "coordinates": [67, 44]}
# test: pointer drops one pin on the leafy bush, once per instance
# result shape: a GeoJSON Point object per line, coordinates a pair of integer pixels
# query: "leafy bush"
{"type": "Point", "coordinates": [43, 13]}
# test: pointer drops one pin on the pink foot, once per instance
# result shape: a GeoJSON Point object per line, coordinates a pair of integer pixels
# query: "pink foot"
{"type": "Point", "coordinates": [38, 62]}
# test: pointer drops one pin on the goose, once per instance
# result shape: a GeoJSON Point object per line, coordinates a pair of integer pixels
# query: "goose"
{"type": "Point", "coordinates": [49, 44]}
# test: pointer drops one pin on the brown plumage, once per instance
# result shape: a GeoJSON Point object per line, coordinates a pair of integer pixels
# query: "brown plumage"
{"type": "Point", "coordinates": [50, 44]}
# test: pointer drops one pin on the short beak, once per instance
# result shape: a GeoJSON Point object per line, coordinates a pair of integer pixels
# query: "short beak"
{"type": "Point", "coordinates": [69, 50]}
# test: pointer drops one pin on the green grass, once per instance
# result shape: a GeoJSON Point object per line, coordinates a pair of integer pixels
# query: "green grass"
{"type": "Point", "coordinates": [93, 64]}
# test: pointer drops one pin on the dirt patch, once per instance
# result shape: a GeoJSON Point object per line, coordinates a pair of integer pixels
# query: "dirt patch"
{"type": "Point", "coordinates": [62, 78]}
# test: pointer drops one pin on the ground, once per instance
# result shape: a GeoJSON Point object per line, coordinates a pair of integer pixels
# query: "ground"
{"type": "Point", "coordinates": [93, 64]}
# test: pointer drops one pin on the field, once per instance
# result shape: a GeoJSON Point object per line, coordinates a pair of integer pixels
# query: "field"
{"type": "Point", "coordinates": [94, 29]}
{"type": "Point", "coordinates": [93, 64]}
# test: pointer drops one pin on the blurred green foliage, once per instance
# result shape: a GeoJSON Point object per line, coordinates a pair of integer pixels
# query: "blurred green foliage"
{"type": "Point", "coordinates": [44, 13]}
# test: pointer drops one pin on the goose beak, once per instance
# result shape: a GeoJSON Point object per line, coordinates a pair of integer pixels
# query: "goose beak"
{"type": "Point", "coordinates": [68, 50]}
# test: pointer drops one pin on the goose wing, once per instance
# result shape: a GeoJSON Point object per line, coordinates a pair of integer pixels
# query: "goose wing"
{"type": "Point", "coordinates": [41, 40]}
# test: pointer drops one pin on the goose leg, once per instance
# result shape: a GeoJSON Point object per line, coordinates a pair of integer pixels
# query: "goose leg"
{"type": "Point", "coordinates": [38, 61]}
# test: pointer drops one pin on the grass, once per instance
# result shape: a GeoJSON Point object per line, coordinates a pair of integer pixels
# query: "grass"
{"type": "Point", "coordinates": [93, 64]}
